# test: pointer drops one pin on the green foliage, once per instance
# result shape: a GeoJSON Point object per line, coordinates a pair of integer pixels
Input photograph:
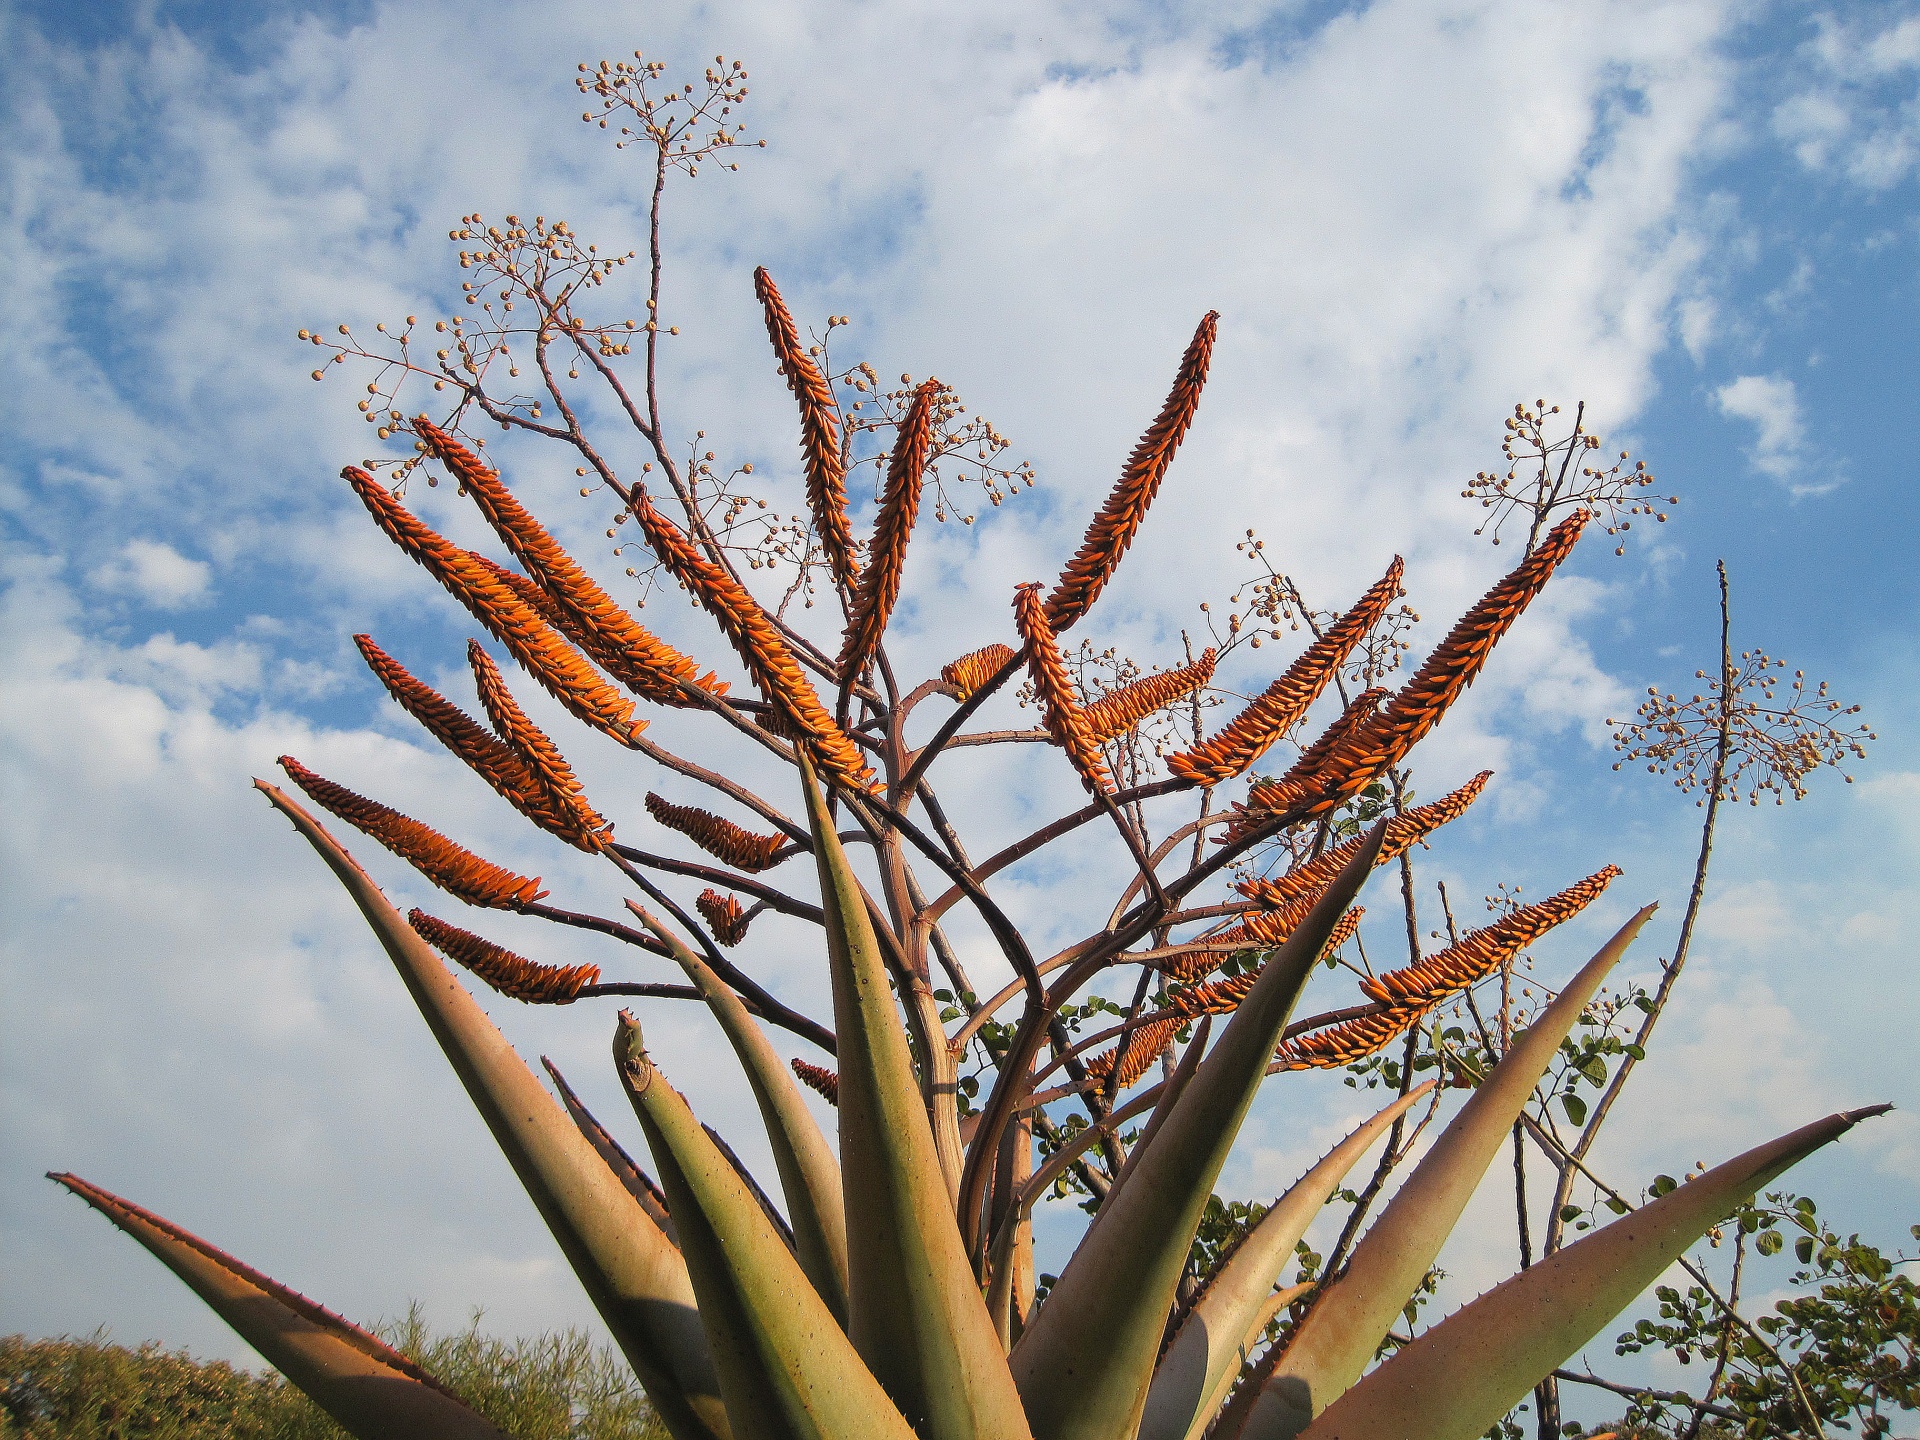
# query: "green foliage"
{"type": "Point", "coordinates": [1848, 1347]}
{"type": "Point", "coordinates": [552, 1387]}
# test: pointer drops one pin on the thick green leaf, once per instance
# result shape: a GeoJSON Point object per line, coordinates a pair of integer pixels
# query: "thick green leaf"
{"type": "Point", "coordinates": [628, 1266]}
{"type": "Point", "coordinates": [1457, 1379]}
{"type": "Point", "coordinates": [1198, 1369]}
{"type": "Point", "coordinates": [372, 1390]}
{"type": "Point", "coordinates": [1342, 1331]}
{"type": "Point", "coordinates": [639, 1184]}
{"type": "Point", "coordinates": [786, 1367]}
{"type": "Point", "coordinates": [1084, 1364]}
{"type": "Point", "coordinates": [916, 1316]}
{"type": "Point", "coordinates": [809, 1174]}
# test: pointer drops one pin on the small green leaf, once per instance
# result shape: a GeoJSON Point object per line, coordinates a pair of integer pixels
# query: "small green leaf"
{"type": "Point", "coordinates": [1770, 1242]}
{"type": "Point", "coordinates": [1575, 1107]}
{"type": "Point", "coordinates": [1803, 1250]}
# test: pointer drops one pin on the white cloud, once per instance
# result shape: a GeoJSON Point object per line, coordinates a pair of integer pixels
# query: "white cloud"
{"type": "Point", "coordinates": [1858, 111]}
{"type": "Point", "coordinates": [1771, 404]}
{"type": "Point", "coordinates": [155, 572]}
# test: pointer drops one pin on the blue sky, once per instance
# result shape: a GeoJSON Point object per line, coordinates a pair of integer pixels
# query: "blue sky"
{"type": "Point", "coordinates": [1700, 218]}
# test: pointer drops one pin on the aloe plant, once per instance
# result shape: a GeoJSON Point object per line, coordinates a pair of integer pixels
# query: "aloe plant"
{"type": "Point", "coordinates": [895, 1295]}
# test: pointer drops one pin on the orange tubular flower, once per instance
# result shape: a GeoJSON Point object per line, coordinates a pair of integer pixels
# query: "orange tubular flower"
{"type": "Point", "coordinates": [974, 669]}
{"type": "Point", "coordinates": [1267, 930]}
{"type": "Point", "coordinates": [1275, 712]}
{"type": "Point", "coordinates": [742, 849]}
{"type": "Point", "coordinates": [759, 645]}
{"type": "Point", "coordinates": [1143, 1048]}
{"type": "Point", "coordinates": [451, 866]}
{"type": "Point", "coordinates": [723, 916]}
{"type": "Point", "coordinates": [819, 431]}
{"type": "Point", "coordinates": [1447, 672]}
{"type": "Point", "coordinates": [1066, 722]}
{"type": "Point", "coordinates": [1118, 712]}
{"type": "Point", "coordinates": [818, 1078]}
{"type": "Point", "coordinates": [484, 752]}
{"type": "Point", "coordinates": [1412, 991]}
{"type": "Point", "coordinates": [576, 604]}
{"type": "Point", "coordinates": [580, 825]}
{"type": "Point", "coordinates": [535, 644]}
{"type": "Point", "coordinates": [879, 585]}
{"type": "Point", "coordinates": [510, 974]}
{"type": "Point", "coordinates": [1307, 881]}
{"type": "Point", "coordinates": [1301, 782]}
{"type": "Point", "coordinates": [1113, 529]}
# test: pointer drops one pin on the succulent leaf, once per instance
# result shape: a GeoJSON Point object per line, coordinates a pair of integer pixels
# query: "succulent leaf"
{"type": "Point", "coordinates": [631, 1270]}
{"type": "Point", "coordinates": [1084, 1364]}
{"type": "Point", "coordinates": [639, 1184]}
{"type": "Point", "coordinates": [809, 1173]}
{"type": "Point", "coordinates": [1198, 1369]}
{"type": "Point", "coordinates": [1340, 1334]}
{"type": "Point", "coordinates": [1458, 1378]}
{"type": "Point", "coordinates": [786, 1368]}
{"type": "Point", "coordinates": [917, 1317]}
{"type": "Point", "coordinates": [372, 1390]}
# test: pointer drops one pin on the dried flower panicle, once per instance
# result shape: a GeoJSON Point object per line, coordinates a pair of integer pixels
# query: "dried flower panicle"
{"type": "Point", "coordinates": [724, 916]}
{"type": "Point", "coordinates": [759, 645]}
{"type": "Point", "coordinates": [1065, 721]}
{"type": "Point", "coordinates": [644, 663]}
{"type": "Point", "coordinates": [1120, 710]}
{"type": "Point", "coordinates": [580, 824]}
{"type": "Point", "coordinates": [819, 431]}
{"type": "Point", "coordinates": [1550, 482]}
{"type": "Point", "coordinates": [448, 864]}
{"type": "Point", "coordinates": [818, 1078]}
{"type": "Point", "coordinates": [512, 975]}
{"type": "Point", "coordinates": [559, 668]}
{"type": "Point", "coordinates": [742, 849]}
{"type": "Point", "coordinates": [879, 584]}
{"type": "Point", "coordinates": [1113, 528]}
{"type": "Point", "coordinates": [1773, 742]}
{"type": "Point", "coordinates": [967, 674]}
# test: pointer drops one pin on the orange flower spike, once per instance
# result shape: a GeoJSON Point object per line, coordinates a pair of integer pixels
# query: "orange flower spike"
{"type": "Point", "coordinates": [759, 645]}
{"type": "Point", "coordinates": [1306, 882]}
{"type": "Point", "coordinates": [448, 864]}
{"type": "Point", "coordinates": [483, 751]}
{"type": "Point", "coordinates": [1113, 529]}
{"type": "Point", "coordinates": [1279, 708]}
{"type": "Point", "coordinates": [974, 669]}
{"type": "Point", "coordinates": [538, 647]}
{"type": "Point", "coordinates": [742, 849]}
{"type": "Point", "coordinates": [1066, 723]}
{"type": "Point", "coordinates": [1143, 1048]}
{"type": "Point", "coordinates": [1118, 712]}
{"type": "Point", "coordinates": [879, 585]}
{"type": "Point", "coordinates": [512, 975]}
{"type": "Point", "coordinates": [1450, 669]}
{"type": "Point", "coordinates": [1297, 784]}
{"type": "Point", "coordinates": [574, 600]}
{"type": "Point", "coordinates": [580, 824]}
{"type": "Point", "coordinates": [819, 430]}
{"type": "Point", "coordinates": [723, 916]}
{"type": "Point", "coordinates": [818, 1078]}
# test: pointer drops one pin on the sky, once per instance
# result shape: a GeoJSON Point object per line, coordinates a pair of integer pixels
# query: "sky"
{"type": "Point", "coordinates": [1698, 218]}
